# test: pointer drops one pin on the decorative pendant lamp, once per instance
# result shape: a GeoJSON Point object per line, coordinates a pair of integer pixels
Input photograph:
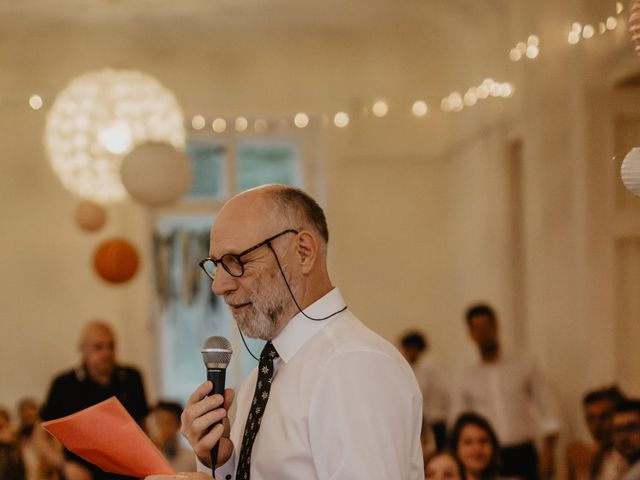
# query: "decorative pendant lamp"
{"type": "Point", "coordinates": [100, 117]}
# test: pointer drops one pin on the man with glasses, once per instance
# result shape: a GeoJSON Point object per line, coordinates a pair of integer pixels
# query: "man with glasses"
{"type": "Point", "coordinates": [626, 435]}
{"type": "Point", "coordinates": [330, 399]}
{"type": "Point", "coordinates": [600, 460]}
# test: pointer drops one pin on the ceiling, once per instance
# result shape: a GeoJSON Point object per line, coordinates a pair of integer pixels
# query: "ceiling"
{"type": "Point", "coordinates": [256, 57]}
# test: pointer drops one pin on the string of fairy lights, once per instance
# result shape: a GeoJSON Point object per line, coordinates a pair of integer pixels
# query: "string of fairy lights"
{"type": "Point", "coordinates": [454, 102]}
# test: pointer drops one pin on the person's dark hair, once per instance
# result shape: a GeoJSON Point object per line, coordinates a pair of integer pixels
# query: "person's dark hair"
{"type": "Point", "coordinates": [173, 407]}
{"type": "Point", "coordinates": [628, 405]}
{"type": "Point", "coordinates": [293, 200]}
{"type": "Point", "coordinates": [414, 339]}
{"type": "Point", "coordinates": [611, 393]}
{"type": "Point", "coordinates": [434, 455]}
{"type": "Point", "coordinates": [480, 309]}
{"type": "Point", "coordinates": [470, 418]}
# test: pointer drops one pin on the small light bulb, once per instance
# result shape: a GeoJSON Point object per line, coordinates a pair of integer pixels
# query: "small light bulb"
{"type": "Point", "coordinates": [198, 122]}
{"type": "Point", "coordinates": [241, 124]}
{"type": "Point", "coordinates": [515, 55]}
{"type": "Point", "coordinates": [455, 101]}
{"type": "Point", "coordinates": [219, 125]}
{"type": "Point", "coordinates": [612, 23]}
{"type": "Point", "coordinates": [533, 40]}
{"type": "Point", "coordinates": [341, 119]}
{"type": "Point", "coordinates": [419, 108]}
{"type": "Point", "coordinates": [260, 125]}
{"type": "Point", "coordinates": [470, 99]}
{"type": "Point", "coordinates": [483, 92]}
{"type": "Point", "coordinates": [532, 51]}
{"type": "Point", "coordinates": [588, 31]}
{"type": "Point", "coordinates": [619, 7]}
{"type": "Point", "coordinates": [521, 47]}
{"type": "Point", "coordinates": [35, 102]}
{"type": "Point", "coordinates": [573, 38]}
{"type": "Point", "coordinates": [380, 108]}
{"type": "Point", "coordinates": [576, 27]}
{"type": "Point", "coordinates": [301, 120]}
{"type": "Point", "coordinates": [444, 105]}
{"type": "Point", "coordinates": [506, 90]}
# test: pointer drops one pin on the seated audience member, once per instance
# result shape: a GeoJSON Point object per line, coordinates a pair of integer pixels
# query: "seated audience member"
{"type": "Point", "coordinates": [427, 441]}
{"type": "Point", "coordinates": [36, 463]}
{"type": "Point", "coordinates": [163, 425]}
{"type": "Point", "coordinates": [11, 465]}
{"type": "Point", "coordinates": [599, 461]}
{"type": "Point", "coordinates": [98, 377]}
{"type": "Point", "coordinates": [435, 397]}
{"type": "Point", "coordinates": [626, 435]}
{"type": "Point", "coordinates": [443, 466]}
{"type": "Point", "coordinates": [475, 443]}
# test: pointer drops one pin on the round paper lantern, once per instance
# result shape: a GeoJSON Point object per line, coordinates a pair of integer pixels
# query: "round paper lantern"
{"type": "Point", "coordinates": [630, 171]}
{"type": "Point", "coordinates": [156, 174]}
{"type": "Point", "coordinates": [90, 216]}
{"type": "Point", "coordinates": [100, 117]}
{"type": "Point", "coordinates": [116, 260]}
{"type": "Point", "coordinates": [634, 25]}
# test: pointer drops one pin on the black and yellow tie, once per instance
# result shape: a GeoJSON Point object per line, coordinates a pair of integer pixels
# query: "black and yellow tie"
{"type": "Point", "coordinates": [258, 404]}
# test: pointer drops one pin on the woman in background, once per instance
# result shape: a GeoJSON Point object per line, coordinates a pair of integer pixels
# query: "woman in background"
{"type": "Point", "coordinates": [443, 466]}
{"type": "Point", "coordinates": [475, 443]}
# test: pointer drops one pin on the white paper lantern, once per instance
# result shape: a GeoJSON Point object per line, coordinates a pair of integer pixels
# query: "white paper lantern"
{"type": "Point", "coordinates": [630, 171]}
{"type": "Point", "coordinates": [100, 117]}
{"type": "Point", "coordinates": [156, 174]}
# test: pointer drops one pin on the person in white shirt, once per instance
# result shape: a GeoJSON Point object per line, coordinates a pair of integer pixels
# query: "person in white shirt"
{"type": "Point", "coordinates": [414, 346]}
{"type": "Point", "coordinates": [626, 435]}
{"type": "Point", "coordinates": [513, 396]}
{"type": "Point", "coordinates": [342, 403]}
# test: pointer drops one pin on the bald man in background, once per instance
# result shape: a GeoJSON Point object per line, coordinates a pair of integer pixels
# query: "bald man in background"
{"type": "Point", "coordinates": [97, 378]}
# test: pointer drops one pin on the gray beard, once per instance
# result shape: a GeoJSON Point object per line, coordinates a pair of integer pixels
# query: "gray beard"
{"type": "Point", "coordinates": [269, 302]}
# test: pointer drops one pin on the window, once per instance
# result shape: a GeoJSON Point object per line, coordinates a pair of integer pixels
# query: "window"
{"type": "Point", "coordinates": [189, 312]}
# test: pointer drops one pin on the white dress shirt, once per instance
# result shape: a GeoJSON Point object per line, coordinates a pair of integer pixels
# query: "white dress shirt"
{"type": "Point", "coordinates": [344, 404]}
{"type": "Point", "coordinates": [435, 394]}
{"type": "Point", "coordinates": [512, 395]}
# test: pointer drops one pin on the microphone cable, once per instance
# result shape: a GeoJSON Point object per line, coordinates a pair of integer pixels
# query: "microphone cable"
{"type": "Point", "coordinates": [294, 301]}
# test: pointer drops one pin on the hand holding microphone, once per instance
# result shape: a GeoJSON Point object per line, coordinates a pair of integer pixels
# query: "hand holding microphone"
{"type": "Point", "coordinates": [207, 407]}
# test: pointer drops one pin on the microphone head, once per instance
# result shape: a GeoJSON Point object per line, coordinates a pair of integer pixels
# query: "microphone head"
{"type": "Point", "coordinates": [216, 352]}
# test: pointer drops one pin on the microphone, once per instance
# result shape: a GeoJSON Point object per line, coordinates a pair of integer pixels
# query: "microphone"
{"type": "Point", "coordinates": [216, 355]}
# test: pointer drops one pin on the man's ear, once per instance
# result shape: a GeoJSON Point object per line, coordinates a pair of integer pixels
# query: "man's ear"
{"type": "Point", "coordinates": [306, 251]}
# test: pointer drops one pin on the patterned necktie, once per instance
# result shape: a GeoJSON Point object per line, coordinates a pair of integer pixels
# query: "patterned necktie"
{"type": "Point", "coordinates": [260, 397]}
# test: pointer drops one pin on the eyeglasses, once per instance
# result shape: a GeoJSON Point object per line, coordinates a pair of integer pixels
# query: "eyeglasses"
{"type": "Point", "coordinates": [232, 262]}
{"type": "Point", "coordinates": [627, 428]}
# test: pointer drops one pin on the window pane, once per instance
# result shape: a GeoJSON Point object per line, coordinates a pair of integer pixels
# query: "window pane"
{"type": "Point", "coordinates": [207, 161]}
{"type": "Point", "coordinates": [267, 161]}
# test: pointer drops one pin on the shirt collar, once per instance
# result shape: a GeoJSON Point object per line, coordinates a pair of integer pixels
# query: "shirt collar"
{"type": "Point", "coordinates": [300, 329]}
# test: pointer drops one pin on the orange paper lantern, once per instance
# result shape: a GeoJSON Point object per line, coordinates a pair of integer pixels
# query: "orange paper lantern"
{"type": "Point", "coordinates": [116, 260]}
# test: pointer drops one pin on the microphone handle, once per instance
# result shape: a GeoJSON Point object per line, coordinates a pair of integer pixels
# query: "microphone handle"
{"type": "Point", "coordinates": [217, 377]}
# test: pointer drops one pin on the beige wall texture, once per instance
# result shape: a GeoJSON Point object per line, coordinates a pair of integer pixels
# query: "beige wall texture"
{"type": "Point", "coordinates": [426, 216]}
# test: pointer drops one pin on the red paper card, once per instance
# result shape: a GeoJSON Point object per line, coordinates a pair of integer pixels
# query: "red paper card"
{"type": "Point", "coordinates": [107, 436]}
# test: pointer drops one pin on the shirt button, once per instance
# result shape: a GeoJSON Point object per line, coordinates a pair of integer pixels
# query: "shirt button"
{"type": "Point", "coordinates": [228, 477]}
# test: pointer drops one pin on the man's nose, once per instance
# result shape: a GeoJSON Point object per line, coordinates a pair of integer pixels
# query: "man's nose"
{"type": "Point", "coordinates": [223, 281]}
